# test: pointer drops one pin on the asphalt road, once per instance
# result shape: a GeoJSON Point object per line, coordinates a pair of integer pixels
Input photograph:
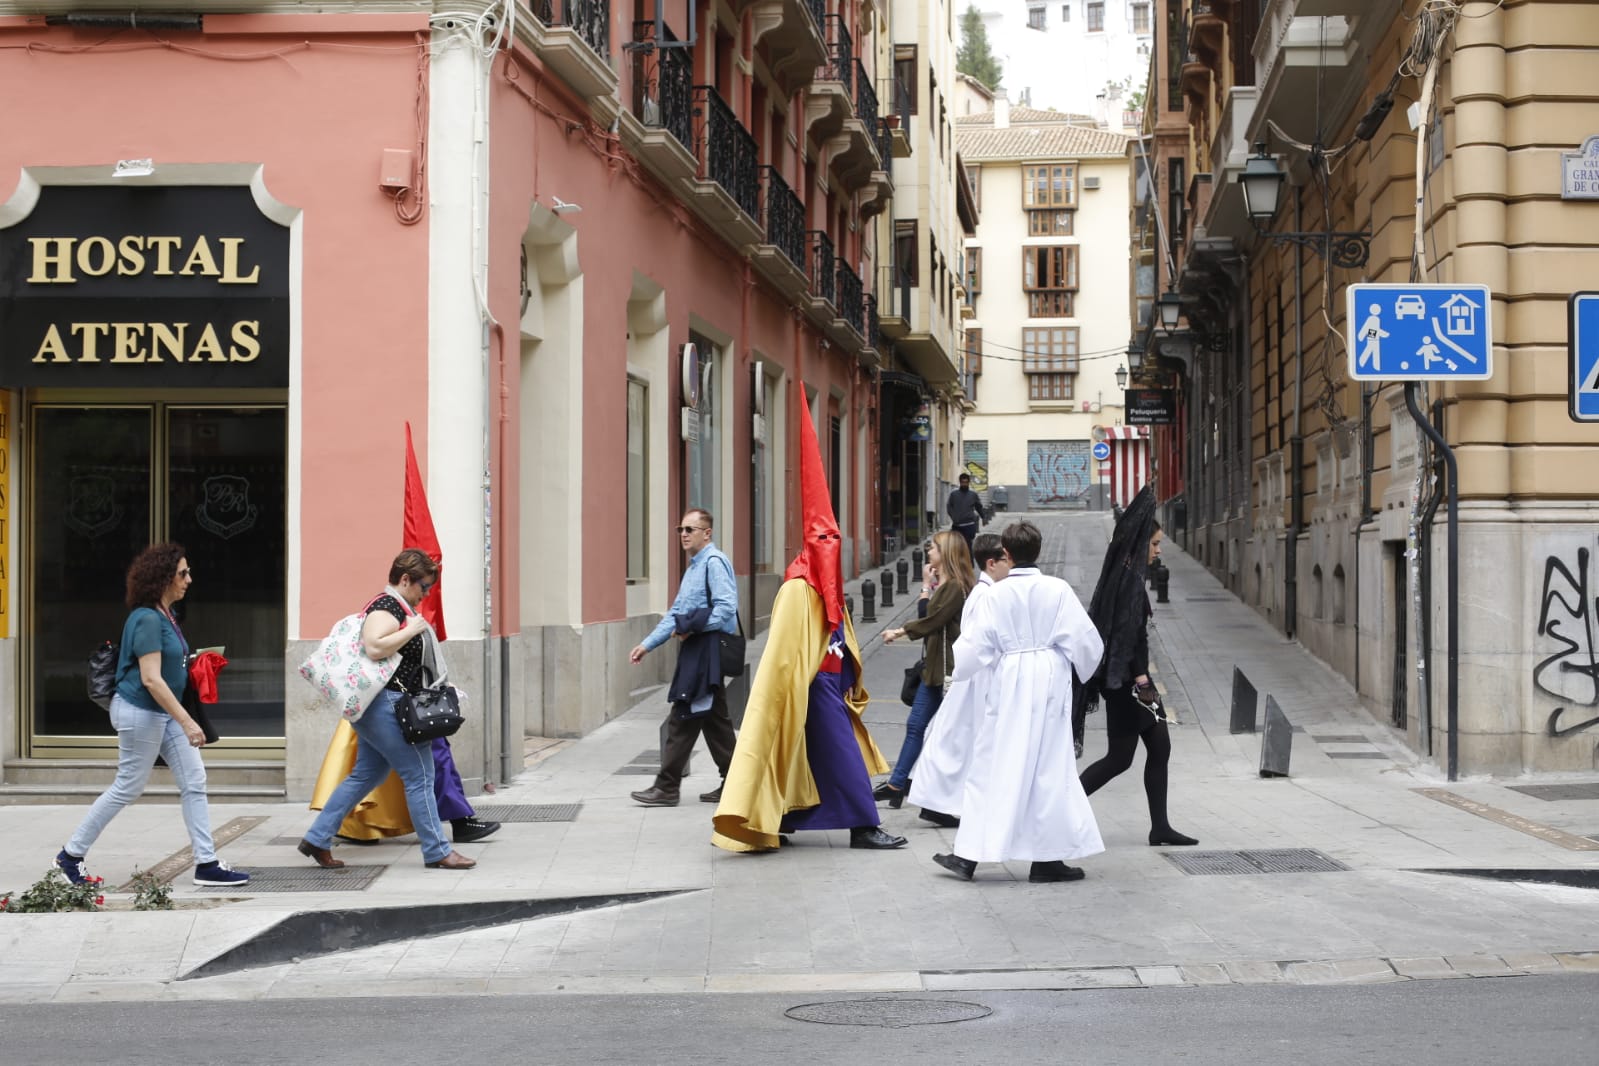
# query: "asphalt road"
{"type": "Point", "coordinates": [1552, 1019]}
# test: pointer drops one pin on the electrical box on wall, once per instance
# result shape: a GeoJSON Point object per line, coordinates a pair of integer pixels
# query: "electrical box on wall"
{"type": "Point", "coordinates": [398, 170]}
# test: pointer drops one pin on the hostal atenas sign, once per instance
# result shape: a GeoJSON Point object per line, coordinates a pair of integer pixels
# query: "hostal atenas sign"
{"type": "Point", "coordinates": [144, 287]}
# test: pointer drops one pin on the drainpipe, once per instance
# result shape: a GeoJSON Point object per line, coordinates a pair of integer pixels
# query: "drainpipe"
{"type": "Point", "coordinates": [1296, 443]}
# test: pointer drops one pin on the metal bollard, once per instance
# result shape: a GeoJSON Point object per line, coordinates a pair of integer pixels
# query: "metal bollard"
{"type": "Point", "coordinates": [903, 569]}
{"type": "Point", "coordinates": [868, 597]}
{"type": "Point", "coordinates": [1161, 578]}
{"type": "Point", "coordinates": [916, 564]}
{"type": "Point", "coordinates": [849, 606]}
{"type": "Point", "coordinates": [887, 588]}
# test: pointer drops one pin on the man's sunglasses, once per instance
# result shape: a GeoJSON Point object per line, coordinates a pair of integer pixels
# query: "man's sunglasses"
{"type": "Point", "coordinates": [691, 529]}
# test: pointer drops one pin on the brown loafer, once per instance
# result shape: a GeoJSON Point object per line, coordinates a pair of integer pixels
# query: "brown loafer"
{"type": "Point", "coordinates": [453, 861]}
{"type": "Point", "coordinates": [321, 856]}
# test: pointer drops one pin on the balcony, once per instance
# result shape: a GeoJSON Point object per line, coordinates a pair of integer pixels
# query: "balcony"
{"type": "Point", "coordinates": [875, 342]}
{"type": "Point", "coordinates": [659, 130]}
{"type": "Point", "coordinates": [789, 35]}
{"type": "Point", "coordinates": [726, 192]}
{"type": "Point", "coordinates": [1309, 50]}
{"type": "Point", "coordinates": [854, 150]}
{"type": "Point", "coordinates": [576, 45]}
{"type": "Point", "coordinates": [899, 123]}
{"type": "Point", "coordinates": [781, 258]}
{"type": "Point", "coordinates": [894, 306]}
{"type": "Point", "coordinates": [848, 327]}
{"type": "Point", "coordinates": [1229, 151]}
{"type": "Point", "coordinates": [830, 100]}
{"type": "Point", "coordinates": [824, 280]}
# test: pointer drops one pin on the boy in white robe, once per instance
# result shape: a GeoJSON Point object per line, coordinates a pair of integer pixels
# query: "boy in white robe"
{"type": "Point", "coordinates": [939, 776]}
{"type": "Point", "coordinates": [1022, 799]}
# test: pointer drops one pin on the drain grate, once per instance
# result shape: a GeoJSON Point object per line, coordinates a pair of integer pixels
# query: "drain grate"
{"type": "Point", "coordinates": [645, 762]}
{"type": "Point", "coordinates": [306, 879]}
{"type": "Point", "coordinates": [640, 771]}
{"type": "Point", "coordinates": [1341, 738]}
{"type": "Point", "coordinates": [889, 1013]}
{"type": "Point", "coordinates": [1355, 755]}
{"type": "Point", "coordinates": [1267, 861]}
{"type": "Point", "coordinates": [1555, 793]}
{"type": "Point", "coordinates": [531, 812]}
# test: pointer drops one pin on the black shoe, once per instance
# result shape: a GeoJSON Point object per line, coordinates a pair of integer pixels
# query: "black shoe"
{"type": "Point", "coordinates": [894, 796]}
{"type": "Point", "coordinates": [470, 830]}
{"type": "Point", "coordinates": [961, 868]}
{"type": "Point", "coordinates": [873, 838]}
{"type": "Point", "coordinates": [365, 843]}
{"type": "Point", "coordinates": [1169, 837]}
{"type": "Point", "coordinates": [654, 797]}
{"type": "Point", "coordinates": [948, 821]}
{"type": "Point", "coordinates": [1045, 873]}
{"type": "Point", "coordinates": [713, 796]}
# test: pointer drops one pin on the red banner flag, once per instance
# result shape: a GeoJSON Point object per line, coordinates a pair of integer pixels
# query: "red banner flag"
{"type": "Point", "coordinates": [419, 533]}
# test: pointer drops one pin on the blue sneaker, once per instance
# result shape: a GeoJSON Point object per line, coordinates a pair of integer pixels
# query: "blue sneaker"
{"type": "Point", "coordinates": [72, 866]}
{"type": "Point", "coordinates": [218, 874]}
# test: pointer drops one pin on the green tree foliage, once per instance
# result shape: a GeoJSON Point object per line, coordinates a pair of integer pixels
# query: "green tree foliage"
{"type": "Point", "coordinates": [974, 57]}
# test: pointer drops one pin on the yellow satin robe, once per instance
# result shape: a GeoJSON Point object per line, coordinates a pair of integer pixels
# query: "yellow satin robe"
{"type": "Point", "coordinates": [382, 813]}
{"type": "Point", "coordinates": [770, 774]}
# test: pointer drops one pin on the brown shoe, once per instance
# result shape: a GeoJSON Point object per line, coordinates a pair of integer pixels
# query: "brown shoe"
{"type": "Point", "coordinates": [453, 861]}
{"type": "Point", "coordinates": [321, 856]}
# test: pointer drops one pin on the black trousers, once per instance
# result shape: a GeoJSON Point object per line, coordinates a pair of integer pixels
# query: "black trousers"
{"type": "Point", "coordinates": [717, 727]}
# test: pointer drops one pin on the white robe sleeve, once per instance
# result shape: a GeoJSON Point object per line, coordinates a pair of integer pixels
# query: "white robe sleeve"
{"type": "Point", "coordinates": [1076, 635]}
{"type": "Point", "coordinates": [977, 648]}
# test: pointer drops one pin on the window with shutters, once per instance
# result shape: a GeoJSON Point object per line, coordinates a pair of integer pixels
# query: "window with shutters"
{"type": "Point", "coordinates": [974, 275]}
{"type": "Point", "coordinates": [1141, 23]}
{"type": "Point", "coordinates": [907, 253]}
{"type": "Point", "coordinates": [1049, 185]}
{"type": "Point", "coordinates": [905, 73]}
{"type": "Point", "coordinates": [1050, 350]}
{"type": "Point", "coordinates": [1095, 11]}
{"type": "Point", "coordinates": [1045, 387]}
{"type": "Point", "coordinates": [974, 351]}
{"type": "Point", "coordinates": [1049, 277]}
{"type": "Point", "coordinates": [1049, 223]}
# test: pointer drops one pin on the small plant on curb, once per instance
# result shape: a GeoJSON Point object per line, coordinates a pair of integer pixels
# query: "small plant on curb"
{"type": "Point", "coordinates": [52, 893]}
{"type": "Point", "coordinates": [150, 893]}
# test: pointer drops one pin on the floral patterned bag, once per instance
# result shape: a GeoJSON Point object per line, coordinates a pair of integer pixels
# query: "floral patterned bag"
{"type": "Point", "coordinates": [341, 670]}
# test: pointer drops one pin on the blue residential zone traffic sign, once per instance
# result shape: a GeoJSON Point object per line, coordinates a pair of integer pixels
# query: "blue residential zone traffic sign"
{"type": "Point", "coordinates": [1583, 343]}
{"type": "Point", "coordinates": [1420, 332]}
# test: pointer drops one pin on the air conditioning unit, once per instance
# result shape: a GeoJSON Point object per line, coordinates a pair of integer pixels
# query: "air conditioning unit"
{"type": "Point", "coordinates": [1090, 183]}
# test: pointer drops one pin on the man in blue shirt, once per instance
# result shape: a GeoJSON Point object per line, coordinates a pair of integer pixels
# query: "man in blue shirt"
{"type": "Point", "coordinates": [707, 584]}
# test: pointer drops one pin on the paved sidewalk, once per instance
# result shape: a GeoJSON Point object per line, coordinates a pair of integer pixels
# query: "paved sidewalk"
{"type": "Point", "coordinates": [818, 916]}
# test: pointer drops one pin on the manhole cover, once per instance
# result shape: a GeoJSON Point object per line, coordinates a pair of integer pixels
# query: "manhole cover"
{"type": "Point", "coordinates": [531, 812]}
{"type": "Point", "coordinates": [1555, 793]}
{"type": "Point", "coordinates": [889, 1013]}
{"type": "Point", "coordinates": [1267, 861]}
{"type": "Point", "coordinates": [306, 879]}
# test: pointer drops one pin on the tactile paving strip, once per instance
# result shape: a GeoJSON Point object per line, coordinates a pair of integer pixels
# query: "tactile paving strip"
{"type": "Point", "coordinates": [306, 878]}
{"type": "Point", "coordinates": [531, 812]}
{"type": "Point", "coordinates": [1267, 861]}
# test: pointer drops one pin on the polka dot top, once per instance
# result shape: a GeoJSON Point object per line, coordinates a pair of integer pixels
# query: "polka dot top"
{"type": "Point", "coordinates": [408, 678]}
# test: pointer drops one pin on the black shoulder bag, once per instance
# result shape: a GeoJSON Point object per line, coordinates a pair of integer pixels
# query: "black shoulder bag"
{"type": "Point", "coordinates": [435, 710]}
{"type": "Point", "coordinates": [730, 646]}
{"type": "Point", "coordinates": [103, 674]}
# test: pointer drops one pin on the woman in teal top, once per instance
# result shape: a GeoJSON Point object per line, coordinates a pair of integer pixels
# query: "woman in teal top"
{"type": "Point", "coordinates": [150, 720]}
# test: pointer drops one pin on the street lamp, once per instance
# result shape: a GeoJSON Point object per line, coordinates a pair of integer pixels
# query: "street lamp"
{"type": "Point", "coordinates": [1135, 355]}
{"type": "Point", "coordinates": [1171, 309]}
{"type": "Point", "coordinates": [1262, 180]}
{"type": "Point", "coordinates": [1121, 377]}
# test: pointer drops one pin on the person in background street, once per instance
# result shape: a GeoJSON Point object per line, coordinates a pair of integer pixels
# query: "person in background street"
{"type": "Point", "coordinates": [392, 625]}
{"type": "Point", "coordinates": [804, 759]}
{"type": "Point", "coordinates": [938, 631]}
{"type": "Point", "coordinates": [148, 715]}
{"type": "Point", "coordinates": [965, 509]}
{"type": "Point", "coordinates": [1133, 711]}
{"type": "Point", "coordinates": [939, 776]}
{"type": "Point", "coordinates": [707, 602]}
{"type": "Point", "coordinates": [1022, 800]}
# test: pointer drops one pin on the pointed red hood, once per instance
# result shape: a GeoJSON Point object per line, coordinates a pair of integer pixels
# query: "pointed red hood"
{"type": "Point", "coordinates": [417, 532]}
{"type": "Point", "coordinates": [819, 561]}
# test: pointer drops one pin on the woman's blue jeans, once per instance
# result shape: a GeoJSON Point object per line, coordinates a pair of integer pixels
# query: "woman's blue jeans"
{"type": "Point", "coordinates": [383, 747]}
{"type": "Point", "coordinates": [928, 697]}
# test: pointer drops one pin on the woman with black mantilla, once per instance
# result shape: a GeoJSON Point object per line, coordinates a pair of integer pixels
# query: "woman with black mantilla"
{"type": "Point", "coordinates": [1133, 711]}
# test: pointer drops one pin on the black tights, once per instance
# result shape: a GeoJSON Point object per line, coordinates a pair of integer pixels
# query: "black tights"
{"type": "Point", "coordinates": [1127, 722]}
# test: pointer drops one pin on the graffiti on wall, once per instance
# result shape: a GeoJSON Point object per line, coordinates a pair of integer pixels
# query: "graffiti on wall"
{"type": "Point", "coordinates": [975, 463]}
{"type": "Point", "coordinates": [1566, 620]}
{"type": "Point", "coordinates": [1058, 473]}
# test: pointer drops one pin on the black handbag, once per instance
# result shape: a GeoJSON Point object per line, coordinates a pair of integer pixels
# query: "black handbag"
{"type": "Point", "coordinates": [429, 713]}
{"type": "Point", "coordinates": [103, 674]}
{"type": "Point", "coordinates": [913, 681]}
{"type": "Point", "coordinates": [729, 646]}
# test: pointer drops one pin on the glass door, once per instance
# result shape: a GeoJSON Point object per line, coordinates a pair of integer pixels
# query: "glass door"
{"type": "Point", "coordinates": [107, 480]}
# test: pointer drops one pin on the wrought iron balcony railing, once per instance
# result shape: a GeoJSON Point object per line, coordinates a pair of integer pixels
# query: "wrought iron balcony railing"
{"type": "Point", "coordinates": [902, 103]}
{"type": "Point", "coordinates": [885, 143]}
{"type": "Point", "coordinates": [785, 217]}
{"type": "Point", "coordinates": [818, 12]}
{"type": "Point", "coordinates": [590, 18]}
{"type": "Point", "coordinates": [663, 85]}
{"type": "Point", "coordinates": [840, 65]}
{"type": "Point", "coordinates": [823, 276]}
{"type": "Point", "coordinates": [848, 300]}
{"type": "Point", "coordinates": [874, 325]}
{"type": "Point", "coordinates": [865, 97]}
{"type": "Point", "coordinates": [898, 295]}
{"type": "Point", "coordinates": [727, 150]}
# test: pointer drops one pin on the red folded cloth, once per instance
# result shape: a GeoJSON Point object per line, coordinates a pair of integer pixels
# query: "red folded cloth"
{"type": "Point", "coordinates": [203, 675]}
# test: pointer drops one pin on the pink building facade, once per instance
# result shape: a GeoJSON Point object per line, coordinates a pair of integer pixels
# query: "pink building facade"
{"type": "Point", "coordinates": [240, 252]}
